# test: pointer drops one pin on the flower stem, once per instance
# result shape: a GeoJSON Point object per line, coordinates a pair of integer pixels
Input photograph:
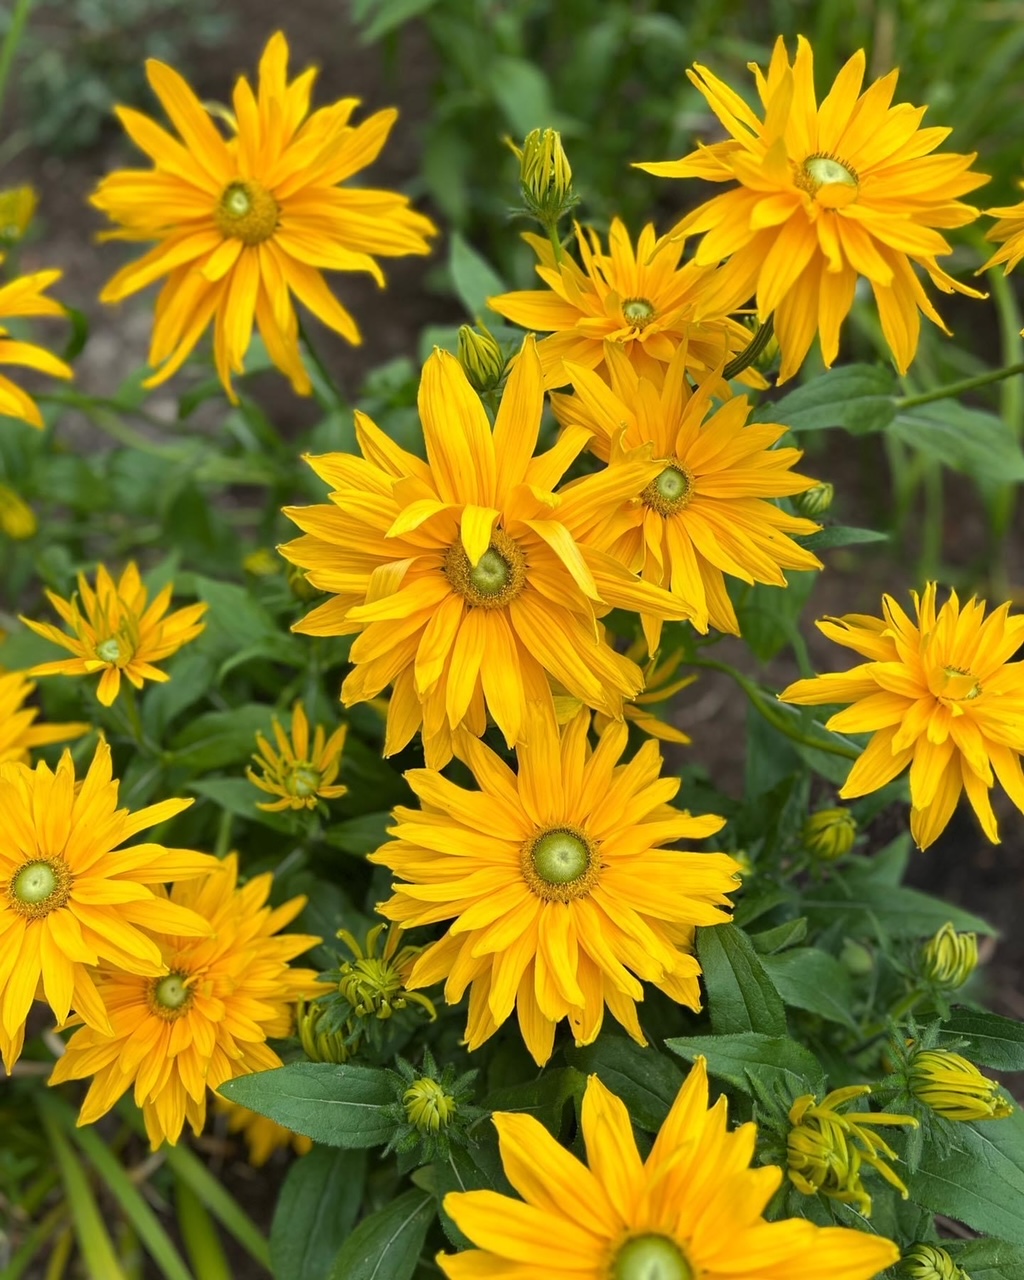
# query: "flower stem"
{"type": "Point", "coordinates": [958, 388]}
{"type": "Point", "coordinates": [750, 353]}
{"type": "Point", "coordinates": [556, 240]}
{"type": "Point", "coordinates": [11, 41]}
{"type": "Point", "coordinates": [328, 383]}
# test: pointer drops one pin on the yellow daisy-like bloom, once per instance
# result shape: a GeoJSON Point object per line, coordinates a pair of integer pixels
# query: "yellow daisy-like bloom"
{"type": "Point", "coordinates": [693, 1210]}
{"type": "Point", "coordinates": [72, 897]}
{"type": "Point", "coordinates": [17, 519]}
{"type": "Point", "coordinates": [206, 1015]}
{"type": "Point", "coordinates": [262, 1135]}
{"type": "Point", "coordinates": [644, 301]}
{"type": "Point", "coordinates": [560, 891]}
{"type": "Point", "coordinates": [827, 193]}
{"type": "Point", "coordinates": [1008, 233]}
{"type": "Point", "coordinates": [708, 511]}
{"type": "Point", "coordinates": [939, 695]}
{"type": "Point", "coordinates": [468, 578]}
{"type": "Point", "coordinates": [954, 1088]}
{"type": "Point", "coordinates": [26, 296]}
{"type": "Point", "coordinates": [300, 773]}
{"type": "Point", "coordinates": [19, 732]}
{"type": "Point", "coordinates": [118, 633]}
{"type": "Point", "coordinates": [243, 224]}
{"type": "Point", "coordinates": [17, 207]}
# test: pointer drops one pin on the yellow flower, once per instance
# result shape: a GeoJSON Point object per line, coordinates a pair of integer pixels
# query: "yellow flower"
{"type": "Point", "coordinates": [469, 580]}
{"type": "Point", "coordinates": [19, 732]}
{"type": "Point", "coordinates": [71, 897]}
{"type": "Point", "coordinates": [299, 774]}
{"type": "Point", "coordinates": [829, 1149]}
{"type": "Point", "coordinates": [826, 194]}
{"type": "Point", "coordinates": [940, 695]}
{"type": "Point", "coordinates": [694, 1208]}
{"type": "Point", "coordinates": [708, 510]}
{"type": "Point", "coordinates": [244, 223]}
{"type": "Point", "coordinates": [646, 305]}
{"type": "Point", "coordinates": [118, 633]}
{"type": "Point", "coordinates": [26, 297]}
{"type": "Point", "coordinates": [17, 519]}
{"type": "Point", "coordinates": [949, 958]}
{"type": "Point", "coordinates": [17, 206]}
{"type": "Point", "coordinates": [376, 985]}
{"type": "Point", "coordinates": [954, 1088]}
{"type": "Point", "coordinates": [262, 1135]}
{"type": "Point", "coordinates": [659, 686]}
{"type": "Point", "coordinates": [557, 883]}
{"type": "Point", "coordinates": [205, 1015]}
{"type": "Point", "coordinates": [1009, 233]}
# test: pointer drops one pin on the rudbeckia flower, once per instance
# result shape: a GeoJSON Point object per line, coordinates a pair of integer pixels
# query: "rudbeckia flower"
{"type": "Point", "coordinates": [1008, 233]}
{"type": "Point", "coordinates": [243, 223]}
{"type": "Point", "coordinates": [26, 296]}
{"type": "Point", "coordinates": [119, 632]}
{"type": "Point", "coordinates": [466, 579]}
{"type": "Point", "coordinates": [644, 301]}
{"type": "Point", "coordinates": [204, 1016]}
{"type": "Point", "coordinates": [561, 894]}
{"type": "Point", "coordinates": [826, 193]}
{"type": "Point", "coordinates": [693, 1209]}
{"type": "Point", "coordinates": [300, 772]}
{"type": "Point", "coordinates": [19, 732]}
{"type": "Point", "coordinates": [939, 694]}
{"type": "Point", "coordinates": [708, 512]}
{"type": "Point", "coordinates": [71, 896]}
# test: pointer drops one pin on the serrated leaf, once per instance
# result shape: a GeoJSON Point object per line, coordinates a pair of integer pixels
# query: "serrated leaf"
{"type": "Point", "coordinates": [316, 1210]}
{"type": "Point", "coordinates": [339, 1106]}
{"type": "Point", "coordinates": [885, 911]}
{"type": "Point", "coordinates": [769, 1059]}
{"type": "Point", "coordinates": [992, 1041]}
{"type": "Point", "coordinates": [987, 1259]}
{"type": "Point", "coordinates": [741, 996]}
{"type": "Point", "coordinates": [387, 1244]}
{"type": "Point", "coordinates": [809, 978]}
{"type": "Point", "coordinates": [784, 935]}
{"type": "Point", "coordinates": [859, 397]}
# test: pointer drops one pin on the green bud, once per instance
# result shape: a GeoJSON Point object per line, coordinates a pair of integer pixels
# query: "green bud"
{"type": "Point", "coordinates": [856, 959]}
{"type": "Point", "coordinates": [481, 357]}
{"type": "Point", "coordinates": [300, 586]}
{"type": "Point", "coordinates": [815, 502]}
{"type": "Point", "coordinates": [319, 1046]}
{"type": "Point", "coordinates": [829, 834]}
{"type": "Point", "coordinates": [949, 958]}
{"type": "Point", "coordinates": [929, 1262]}
{"type": "Point", "coordinates": [545, 177]}
{"type": "Point", "coordinates": [427, 1106]}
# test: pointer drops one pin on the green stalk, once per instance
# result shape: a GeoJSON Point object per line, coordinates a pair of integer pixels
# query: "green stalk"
{"type": "Point", "coordinates": [958, 388]}
{"type": "Point", "coordinates": [750, 352]}
{"type": "Point", "coordinates": [11, 42]}
{"type": "Point", "coordinates": [556, 240]}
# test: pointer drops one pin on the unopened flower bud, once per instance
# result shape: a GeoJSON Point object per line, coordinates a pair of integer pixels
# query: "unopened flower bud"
{"type": "Point", "coordinates": [815, 502]}
{"type": "Point", "coordinates": [17, 519]}
{"type": "Point", "coordinates": [949, 958]}
{"type": "Point", "coordinates": [319, 1046]}
{"type": "Point", "coordinates": [300, 586]}
{"type": "Point", "coordinates": [427, 1106]}
{"type": "Point", "coordinates": [545, 177]}
{"type": "Point", "coordinates": [954, 1088]}
{"type": "Point", "coordinates": [262, 563]}
{"type": "Point", "coordinates": [481, 357]}
{"type": "Point", "coordinates": [829, 834]}
{"type": "Point", "coordinates": [855, 958]}
{"type": "Point", "coordinates": [929, 1262]}
{"type": "Point", "coordinates": [17, 206]}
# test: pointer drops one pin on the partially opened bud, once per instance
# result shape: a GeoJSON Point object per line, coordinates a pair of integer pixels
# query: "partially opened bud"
{"type": "Point", "coordinates": [929, 1262]}
{"type": "Point", "coordinates": [829, 834]}
{"type": "Point", "coordinates": [954, 1088]}
{"type": "Point", "coordinates": [545, 177]}
{"type": "Point", "coordinates": [319, 1045]}
{"type": "Point", "coordinates": [949, 958]}
{"type": "Point", "coordinates": [481, 357]}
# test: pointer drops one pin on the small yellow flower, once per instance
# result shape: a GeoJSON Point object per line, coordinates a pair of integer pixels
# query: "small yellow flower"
{"type": "Point", "coordinates": [829, 834]}
{"type": "Point", "coordinates": [939, 694]}
{"type": "Point", "coordinates": [118, 633]}
{"type": "Point", "coordinates": [26, 296]}
{"type": "Point", "coordinates": [481, 357]}
{"type": "Point", "coordinates": [17, 206]}
{"type": "Point", "coordinates": [827, 1148]}
{"type": "Point", "coordinates": [17, 519]}
{"type": "Point", "coordinates": [375, 985]}
{"type": "Point", "coordinates": [949, 958]}
{"type": "Point", "coordinates": [929, 1262]}
{"type": "Point", "coordinates": [427, 1106]}
{"type": "Point", "coordinates": [954, 1088]}
{"type": "Point", "coordinates": [19, 732]}
{"type": "Point", "coordinates": [262, 1135]}
{"type": "Point", "coordinates": [297, 772]}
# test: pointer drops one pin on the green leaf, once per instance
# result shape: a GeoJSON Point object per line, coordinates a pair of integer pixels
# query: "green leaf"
{"type": "Point", "coordinates": [772, 1060]}
{"type": "Point", "coordinates": [782, 936]}
{"type": "Point", "coordinates": [199, 1233]}
{"type": "Point", "coordinates": [240, 797]}
{"type": "Point", "coordinates": [339, 1106]}
{"type": "Point", "coordinates": [361, 835]}
{"type": "Point", "coordinates": [474, 278]}
{"type": "Point", "coordinates": [391, 14]}
{"type": "Point", "coordinates": [841, 535]}
{"type": "Point", "coordinates": [886, 911]}
{"type": "Point", "coordinates": [987, 1259]}
{"type": "Point", "coordinates": [316, 1210]}
{"type": "Point", "coordinates": [218, 1200]}
{"type": "Point", "coordinates": [238, 627]}
{"type": "Point", "coordinates": [741, 996]}
{"type": "Point", "coordinates": [543, 1098]}
{"type": "Point", "coordinates": [969, 440]}
{"type": "Point", "coordinates": [523, 94]}
{"type": "Point", "coordinates": [809, 978]}
{"type": "Point", "coordinates": [220, 738]}
{"type": "Point", "coordinates": [387, 1244]}
{"type": "Point", "coordinates": [859, 397]}
{"type": "Point", "coordinates": [992, 1041]}
{"type": "Point", "coordinates": [979, 1179]}
{"type": "Point", "coordinates": [645, 1080]}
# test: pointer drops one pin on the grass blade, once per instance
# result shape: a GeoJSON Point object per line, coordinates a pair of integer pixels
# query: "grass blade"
{"type": "Point", "coordinates": [200, 1235]}
{"type": "Point", "coordinates": [194, 1174]}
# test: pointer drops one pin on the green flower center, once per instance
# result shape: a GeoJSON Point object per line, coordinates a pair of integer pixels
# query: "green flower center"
{"type": "Point", "coordinates": [305, 781]}
{"type": "Point", "coordinates": [639, 312]}
{"type": "Point", "coordinates": [35, 883]}
{"type": "Point", "coordinates": [670, 491]}
{"type": "Point", "coordinates": [491, 573]}
{"type": "Point", "coordinates": [560, 857]}
{"type": "Point", "coordinates": [826, 171]}
{"type": "Point", "coordinates": [109, 651]}
{"type": "Point", "coordinates": [247, 212]}
{"type": "Point", "coordinates": [171, 991]}
{"type": "Point", "coordinates": [650, 1258]}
